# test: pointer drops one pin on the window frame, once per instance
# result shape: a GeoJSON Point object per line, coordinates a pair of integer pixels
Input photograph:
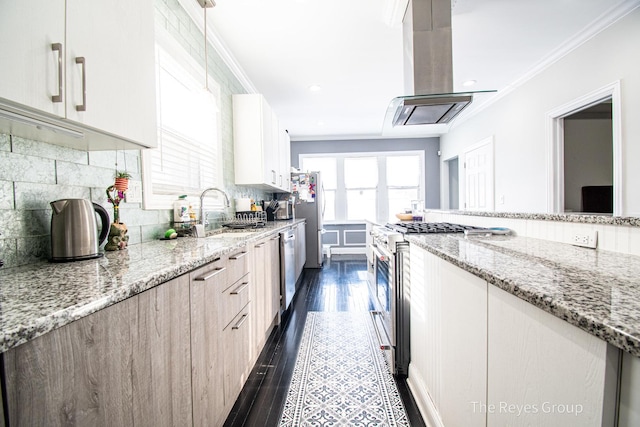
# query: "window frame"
{"type": "Point", "coordinates": [382, 201]}
{"type": "Point", "coordinates": [181, 57]}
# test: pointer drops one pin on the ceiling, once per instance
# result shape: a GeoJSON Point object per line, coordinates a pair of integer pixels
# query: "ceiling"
{"type": "Point", "coordinates": [352, 49]}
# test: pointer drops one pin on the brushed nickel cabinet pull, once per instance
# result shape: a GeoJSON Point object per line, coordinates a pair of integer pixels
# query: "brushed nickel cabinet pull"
{"type": "Point", "coordinates": [238, 256]}
{"type": "Point", "coordinates": [259, 245]}
{"type": "Point", "coordinates": [57, 47]}
{"type": "Point", "coordinates": [240, 288]}
{"type": "Point", "coordinates": [210, 274]}
{"type": "Point", "coordinates": [83, 107]}
{"type": "Point", "coordinates": [240, 322]}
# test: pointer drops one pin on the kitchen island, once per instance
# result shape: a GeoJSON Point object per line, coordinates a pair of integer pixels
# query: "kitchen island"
{"type": "Point", "coordinates": [509, 330]}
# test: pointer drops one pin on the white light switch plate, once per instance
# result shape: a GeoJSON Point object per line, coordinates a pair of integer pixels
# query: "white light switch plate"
{"type": "Point", "coordinates": [134, 192]}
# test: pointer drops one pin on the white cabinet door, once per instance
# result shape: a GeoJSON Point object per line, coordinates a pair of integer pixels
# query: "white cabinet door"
{"type": "Point", "coordinates": [448, 341]}
{"type": "Point", "coordinates": [464, 347]}
{"type": "Point", "coordinates": [543, 371]}
{"type": "Point", "coordinates": [29, 74]}
{"type": "Point", "coordinates": [116, 40]}
{"type": "Point", "coordinates": [285, 159]}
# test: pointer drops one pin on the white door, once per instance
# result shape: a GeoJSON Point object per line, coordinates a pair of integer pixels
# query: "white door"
{"type": "Point", "coordinates": [29, 74]}
{"type": "Point", "coordinates": [116, 38]}
{"type": "Point", "coordinates": [478, 176]}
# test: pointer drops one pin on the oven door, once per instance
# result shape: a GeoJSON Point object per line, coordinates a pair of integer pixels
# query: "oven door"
{"type": "Point", "coordinates": [383, 294]}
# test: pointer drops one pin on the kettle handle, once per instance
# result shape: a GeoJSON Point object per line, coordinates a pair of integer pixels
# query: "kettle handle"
{"type": "Point", "coordinates": [104, 217]}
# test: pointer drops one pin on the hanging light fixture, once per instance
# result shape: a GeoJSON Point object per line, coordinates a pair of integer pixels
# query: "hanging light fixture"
{"type": "Point", "coordinates": [206, 4]}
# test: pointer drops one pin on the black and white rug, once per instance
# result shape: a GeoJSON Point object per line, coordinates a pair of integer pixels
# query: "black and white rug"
{"type": "Point", "coordinates": [341, 376]}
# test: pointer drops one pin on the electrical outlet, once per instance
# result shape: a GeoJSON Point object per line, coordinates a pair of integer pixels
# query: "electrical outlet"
{"type": "Point", "coordinates": [587, 239]}
{"type": "Point", "coordinates": [134, 192]}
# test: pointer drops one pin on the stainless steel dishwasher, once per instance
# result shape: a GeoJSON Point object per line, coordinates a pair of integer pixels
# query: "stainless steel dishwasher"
{"type": "Point", "coordinates": [287, 267]}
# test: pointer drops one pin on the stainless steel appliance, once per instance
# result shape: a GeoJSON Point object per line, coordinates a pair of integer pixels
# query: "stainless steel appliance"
{"type": "Point", "coordinates": [285, 210]}
{"type": "Point", "coordinates": [391, 287]}
{"type": "Point", "coordinates": [74, 229]}
{"type": "Point", "coordinates": [309, 204]}
{"type": "Point", "coordinates": [287, 267]}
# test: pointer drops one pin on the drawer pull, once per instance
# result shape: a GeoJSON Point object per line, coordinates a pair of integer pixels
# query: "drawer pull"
{"type": "Point", "coordinates": [240, 288]}
{"type": "Point", "coordinates": [210, 274]}
{"type": "Point", "coordinates": [277, 236]}
{"type": "Point", "coordinates": [238, 256]}
{"type": "Point", "coordinates": [259, 245]}
{"type": "Point", "coordinates": [83, 107]}
{"type": "Point", "coordinates": [57, 47]}
{"type": "Point", "coordinates": [240, 322]}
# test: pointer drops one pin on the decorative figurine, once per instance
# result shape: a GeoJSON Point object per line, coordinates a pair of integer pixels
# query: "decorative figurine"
{"type": "Point", "coordinates": [118, 238]}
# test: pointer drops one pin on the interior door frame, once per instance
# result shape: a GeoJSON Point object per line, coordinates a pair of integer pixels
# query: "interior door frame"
{"type": "Point", "coordinates": [463, 190]}
{"type": "Point", "coordinates": [554, 121]}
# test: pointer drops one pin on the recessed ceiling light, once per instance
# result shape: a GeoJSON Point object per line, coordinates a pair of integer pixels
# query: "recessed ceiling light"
{"type": "Point", "coordinates": [314, 88]}
{"type": "Point", "coordinates": [469, 83]}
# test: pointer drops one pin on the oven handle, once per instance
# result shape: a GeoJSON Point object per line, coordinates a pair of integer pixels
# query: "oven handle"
{"type": "Point", "coordinates": [377, 324]}
{"type": "Point", "coordinates": [379, 254]}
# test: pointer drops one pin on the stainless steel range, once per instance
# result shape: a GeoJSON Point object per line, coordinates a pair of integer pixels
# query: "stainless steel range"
{"type": "Point", "coordinates": [390, 286]}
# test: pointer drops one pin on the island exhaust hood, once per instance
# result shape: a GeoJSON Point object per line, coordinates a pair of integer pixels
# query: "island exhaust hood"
{"type": "Point", "coordinates": [428, 69]}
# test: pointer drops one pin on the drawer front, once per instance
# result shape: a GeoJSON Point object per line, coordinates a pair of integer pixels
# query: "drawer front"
{"type": "Point", "coordinates": [238, 265]}
{"type": "Point", "coordinates": [236, 339]}
{"type": "Point", "coordinates": [234, 298]}
{"type": "Point", "coordinates": [212, 274]}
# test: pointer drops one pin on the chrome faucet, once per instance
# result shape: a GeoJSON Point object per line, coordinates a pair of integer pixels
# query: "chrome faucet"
{"type": "Point", "coordinates": [226, 198]}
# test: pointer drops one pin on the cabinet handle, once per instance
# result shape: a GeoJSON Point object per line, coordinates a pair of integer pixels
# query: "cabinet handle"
{"type": "Point", "coordinates": [240, 322]}
{"type": "Point", "coordinates": [277, 236]}
{"type": "Point", "coordinates": [57, 47]}
{"type": "Point", "coordinates": [237, 256]}
{"type": "Point", "coordinates": [259, 245]}
{"type": "Point", "coordinates": [83, 107]}
{"type": "Point", "coordinates": [280, 180]}
{"type": "Point", "coordinates": [273, 180]}
{"type": "Point", "coordinates": [210, 274]}
{"type": "Point", "coordinates": [240, 288]}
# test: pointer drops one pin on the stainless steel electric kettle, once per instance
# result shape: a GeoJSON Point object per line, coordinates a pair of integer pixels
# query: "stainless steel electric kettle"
{"type": "Point", "coordinates": [74, 230]}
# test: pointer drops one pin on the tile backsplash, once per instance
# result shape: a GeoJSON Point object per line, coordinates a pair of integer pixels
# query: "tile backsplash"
{"type": "Point", "coordinates": [34, 173]}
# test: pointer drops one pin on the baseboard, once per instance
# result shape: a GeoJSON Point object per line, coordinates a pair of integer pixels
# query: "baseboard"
{"type": "Point", "coordinates": [421, 395]}
{"type": "Point", "coordinates": [341, 250]}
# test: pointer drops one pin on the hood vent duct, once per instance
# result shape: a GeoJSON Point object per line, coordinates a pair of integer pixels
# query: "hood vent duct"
{"type": "Point", "coordinates": [428, 67]}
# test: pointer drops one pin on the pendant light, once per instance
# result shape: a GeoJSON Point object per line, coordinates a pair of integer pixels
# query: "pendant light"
{"type": "Point", "coordinates": [206, 4]}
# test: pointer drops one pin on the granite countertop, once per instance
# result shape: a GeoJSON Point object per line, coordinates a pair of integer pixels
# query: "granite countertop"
{"type": "Point", "coordinates": [597, 291]}
{"type": "Point", "coordinates": [38, 298]}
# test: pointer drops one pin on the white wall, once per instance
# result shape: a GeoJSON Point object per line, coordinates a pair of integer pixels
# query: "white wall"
{"type": "Point", "coordinates": [517, 120]}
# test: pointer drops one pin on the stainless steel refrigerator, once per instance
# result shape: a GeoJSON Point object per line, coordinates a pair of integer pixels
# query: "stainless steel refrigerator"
{"type": "Point", "coordinates": [309, 204]}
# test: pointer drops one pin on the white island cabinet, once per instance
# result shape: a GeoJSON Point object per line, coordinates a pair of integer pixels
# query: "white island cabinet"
{"type": "Point", "coordinates": [483, 357]}
{"type": "Point", "coordinates": [88, 66]}
{"type": "Point", "coordinates": [448, 341]}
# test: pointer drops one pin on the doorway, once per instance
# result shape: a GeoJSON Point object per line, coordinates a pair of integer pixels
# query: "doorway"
{"type": "Point", "coordinates": [588, 160]}
{"type": "Point", "coordinates": [585, 154]}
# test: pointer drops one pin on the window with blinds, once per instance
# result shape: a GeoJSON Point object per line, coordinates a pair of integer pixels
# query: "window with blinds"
{"type": "Point", "coordinates": [186, 160]}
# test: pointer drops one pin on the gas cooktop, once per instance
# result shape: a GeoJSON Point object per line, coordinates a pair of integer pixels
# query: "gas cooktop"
{"type": "Point", "coordinates": [430, 227]}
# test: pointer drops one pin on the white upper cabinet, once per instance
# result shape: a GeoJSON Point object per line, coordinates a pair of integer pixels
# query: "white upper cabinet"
{"type": "Point", "coordinates": [30, 74]}
{"type": "Point", "coordinates": [261, 146]}
{"type": "Point", "coordinates": [89, 63]}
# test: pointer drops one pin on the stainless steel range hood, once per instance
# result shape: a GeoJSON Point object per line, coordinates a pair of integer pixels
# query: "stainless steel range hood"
{"type": "Point", "coordinates": [428, 68]}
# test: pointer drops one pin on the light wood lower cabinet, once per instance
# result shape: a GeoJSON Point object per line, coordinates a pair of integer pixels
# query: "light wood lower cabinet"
{"type": "Point", "coordinates": [206, 346]}
{"type": "Point", "coordinates": [124, 365]}
{"type": "Point", "coordinates": [266, 286]}
{"type": "Point", "coordinates": [175, 355]}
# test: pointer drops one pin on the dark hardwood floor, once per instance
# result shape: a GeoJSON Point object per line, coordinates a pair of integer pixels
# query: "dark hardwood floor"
{"type": "Point", "coordinates": [340, 286]}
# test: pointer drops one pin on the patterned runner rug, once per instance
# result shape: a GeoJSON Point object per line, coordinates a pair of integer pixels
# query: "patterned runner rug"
{"type": "Point", "coordinates": [341, 376]}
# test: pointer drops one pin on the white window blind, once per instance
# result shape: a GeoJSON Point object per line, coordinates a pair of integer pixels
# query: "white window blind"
{"type": "Point", "coordinates": [186, 160]}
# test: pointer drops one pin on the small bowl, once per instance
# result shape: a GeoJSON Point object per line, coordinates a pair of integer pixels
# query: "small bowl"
{"type": "Point", "coordinates": [404, 216]}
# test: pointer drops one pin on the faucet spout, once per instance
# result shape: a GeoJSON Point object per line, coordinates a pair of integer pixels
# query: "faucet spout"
{"type": "Point", "coordinates": [226, 199]}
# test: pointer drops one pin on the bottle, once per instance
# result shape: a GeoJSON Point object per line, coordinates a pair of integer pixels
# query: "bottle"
{"type": "Point", "coordinates": [192, 214]}
{"type": "Point", "coordinates": [181, 209]}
